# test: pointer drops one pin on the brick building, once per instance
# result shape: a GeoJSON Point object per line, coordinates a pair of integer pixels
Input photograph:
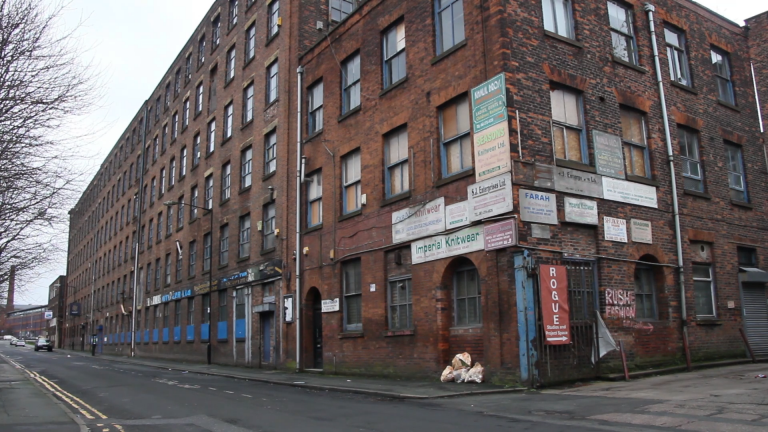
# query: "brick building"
{"type": "Point", "coordinates": [427, 210]}
{"type": "Point", "coordinates": [27, 321]}
{"type": "Point", "coordinates": [57, 292]}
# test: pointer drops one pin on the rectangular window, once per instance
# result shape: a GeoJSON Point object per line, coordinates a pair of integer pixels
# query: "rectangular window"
{"type": "Point", "coordinates": [272, 82]}
{"type": "Point", "coordinates": [167, 100]}
{"type": "Point", "coordinates": [211, 136]}
{"type": "Point", "coordinates": [223, 306]}
{"type": "Point", "coordinates": [244, 242]}
{"type": "Point", "coordinates": [230, 72]}
{"type": "Point", "coordinates": [153, 191]}
{"type": "Point", "coordinates": [149, 276]}
{"type": "Point", "coordinates": [246, 167]}
{"type": "Point", "coordinates": [177, 82]}
{"type": "Point", "coordinates": [248, 103]}
{"type": "Point", "coordinates": [169, 228]}
{"type": "Point", "coordinates": [622, 34]}
{"type": "Point", "coordinates": [229, 112]}
{"type": "Point", "coordinates": [193, 203]}
{"type": "Point", "coordinates": [396, 162]}
{"type": "Point", "coordinates": [394, 54]}
{"type": "Point", "coordinates": [468, 307]}
{"type": "Point", "coordinates": [201, 51]}
{"type": "Point", "coordinates": [192, 257]}
{"type": "Point", "coordinates": [747, 257]}
{"type": "Point", "coordinates": [568, 125]}
{"type": "Point", "coordinates": [351, 179]}
{"type": "Point", "coordinates": [185, 114]}
{"type": "Point", "coordinates": [677, 55]}
{"type": "Point", "coordinates": [272, 18]}
{"type": "Point", "coordinates": [179, 267]}
{"type": "Point", "coordinates": [167, 269]}
{"type": "Point", "coordinates": [270, 153]}
{"type": "Point", "coordinates": [180, 213]}
{"type": "Point", "coordinates": [199, 99]}
{"type": "Point", "coordinates": [224, 245]}
{"type": "Point", "coordinates": [155, 149]}
{"type": "Point", "coordinates": [240, 304]}
{"type": "Point", "coordinates": [449, 19]}
{"type": "Point", "coordinates": [183, 160]}
{"type": "Point", "coordinates": [232, 13]}
{"type": "Point", "coordinates": [158, 273]}
{"type": "Point", "coordinates": [315, 108]}
{"type": "Point", "coordinates": [693, 175]}
{"type": "Point", "coordinates": [400, 304]}
{"type": "Point", "coordinates": [636, 159]}
{"type": "Point", "coordinates": [722, 69]}
{"type": "Point", "coordinates": [177, 313]}
{"type": "Point", "coordinates": [162, 181]}
{"type": "Point", "coordinates": [188, 68]}
{"type": "Point", "coordinates": [206, 308]}
{"type": "Point", "coordinates": [175, 125]}
{"type": "Point", "coordinates": [250, 42]}
{"type": "Point", "coordinates": [196, 150]}
{"type": "Point", "coordinates": [165, 315]}
{"type": "Point", "coordinates": [339, 9]}
{"type": "Point", "coordinates": [207, 246]}
{"type": "Point", "coordinates": [353, 297]}
{"type": "Point", "coordinates": [735, 166]}
{"type": "Point", "coordinates": [315, 199]}
{"type": "Point", "coordinates": [215, 32]}
{"type": "Point", "coordinates": [151, 232]}
{"type": "Point", "coordinates": [159, 226]}
{"type": "Point", "coordinates": [558, 17]}
{"type": "Point", "coordinates": [704, 290]}
{"type": "Point", "coordinates": [191, 311]}
{"type": "Point", "coordinates": [226, 180]}
{"type": "Point", "coordinates": [645, 293]}
{"type": "Point", "coordinates": [209, 192]}
{"type": "Point", "coordinates": [455, 142]}
{"type": "Point", "coordinates": [172, 173]}
{"type": "Point", "coordinates": [268, 230]}
{"type": "Point", "coordinates": [350, 85]}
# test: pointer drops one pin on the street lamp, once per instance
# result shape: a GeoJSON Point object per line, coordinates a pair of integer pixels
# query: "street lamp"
{"type": "Point", "coordinates": [210, 268]}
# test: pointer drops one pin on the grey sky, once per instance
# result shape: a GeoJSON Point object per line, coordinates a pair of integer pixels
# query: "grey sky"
{"type": "Point", "coordinates": [134, 42]}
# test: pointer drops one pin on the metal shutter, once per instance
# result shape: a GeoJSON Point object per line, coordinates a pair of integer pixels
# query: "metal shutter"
{"type": "Point", "coordinates": [756, 318]}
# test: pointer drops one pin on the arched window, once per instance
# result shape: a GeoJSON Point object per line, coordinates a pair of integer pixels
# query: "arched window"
{"type": "Point", "coordinates": [645, 292]}
{"type": "Point", "coordinates": [466, 297]}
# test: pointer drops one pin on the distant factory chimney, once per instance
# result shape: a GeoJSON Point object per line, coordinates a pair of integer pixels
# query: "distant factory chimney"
{"type": "Point", "coordinates": [11, 289]}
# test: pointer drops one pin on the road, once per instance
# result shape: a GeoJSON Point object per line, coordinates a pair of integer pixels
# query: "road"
{"type": "Point", "coordinates": [114, 396]}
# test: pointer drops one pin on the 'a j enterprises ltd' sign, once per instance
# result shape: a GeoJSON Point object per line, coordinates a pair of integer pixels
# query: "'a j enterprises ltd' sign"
{"type": "Point", "coordinates": [491, 197]}
{"type": "Point", "coordinates": [447, 245]}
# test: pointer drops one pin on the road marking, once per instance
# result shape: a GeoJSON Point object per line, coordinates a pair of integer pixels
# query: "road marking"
{"type": "Point", "coordinates": [247, 395]}
{"type": "Point", "coordinates": [226, 391]}
{"type": "Point", "coordinates": [211, 388]}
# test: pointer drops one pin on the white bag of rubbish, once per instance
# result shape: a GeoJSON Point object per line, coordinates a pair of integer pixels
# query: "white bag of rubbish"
{"type": "Point", "coordinates": [475, 375]}
{"type": "Point", "coordinates": [460, 375]}
{"type": "Point", "coordinates": [460, 361]}
{"type": "Point", "coordinates": [447, 375]}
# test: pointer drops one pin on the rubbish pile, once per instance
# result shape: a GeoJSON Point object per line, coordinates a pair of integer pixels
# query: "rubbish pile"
{"type": "Point", "coordinates": [462, 371]}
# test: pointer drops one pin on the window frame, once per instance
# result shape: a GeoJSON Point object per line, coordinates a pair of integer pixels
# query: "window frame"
{"type": "Point", "coordinates": [647, 295]}
{"type": "Point", "coordinates": [551, 16]}
{"type": "Point", "coordinates": [439, 28]}
{"type": "Point", "coordinates": [402, 165]}
{"type": "Point", "coordinates": [192, 264]}
{"type": "Point", "coordinates": [626, 142]}
{"type": "Point", "coordinates": [563, 124]}
{"type": "Point", "coordinates": [315, 185]}
{"type": "Point", "coordinates": [207, 251]}
{"type": "Point", "coordinates": [350, 88]}
{"type": "Point", "coordinates": [712, 295]}
{"type": "Point", "coordinates": [389, 60]}
{"type": "Point", "coordinates": [224, 245]}
{"type": "Point", "coordinates": [229, 119]}
{"type": "Point", "coordinates": [463, 271]}
{"type": "Point", "coordinates": [270, 152]}
{"type": "Point", "coordinates": [273, 16]}
{"type": "Point", "coordinates": [408, 304]}
{"type": "Point", "coordinates": [226, 181]}
{"type": "Point", "coordinates": [244, 238]}
{"type": "Point", "coordinates": [446, 141]}
{"type": "Point", "coordinates": [679, 69]}
{"type": "Point", "coordinates": [729, 148]}
{"type": "Point", "coordinates": [726, 78]}
{"type": "Point", "coordinates": [273, 70]}
{"type": "Point", "coordinates": [248, 109]}
{"type": "Point", "coordinates": [269, 238]}
{"type": "Point", "coordinates": [356, 293]}
{"type": "Point", "coordinates": [687, 160]}
{"type": "Point", "coordinates": [231, 63]}
{"type": "Point", "coordinates": [347, 183]}
{"type": "Point", "coordinates": [246, 168]}
{"type": "Point", "coordinates": [315, 108]}
{"type": "Point", "coordinates": [626, 36]}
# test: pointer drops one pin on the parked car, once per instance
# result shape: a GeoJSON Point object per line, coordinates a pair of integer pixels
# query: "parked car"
{"type": "Point", "coordinates": [13, 341]}
{"type": "Point", "coordinates": [19, 343]}
{"type": "Point", "coordinates": [43, 344]}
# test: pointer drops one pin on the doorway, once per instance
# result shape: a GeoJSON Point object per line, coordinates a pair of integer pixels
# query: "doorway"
{"type": "Point", "coordinates": [266, 337]}
{"type": "Point", "coordinates": [755, 312]}
{"type": "Point", "coordinates": [317, 333]}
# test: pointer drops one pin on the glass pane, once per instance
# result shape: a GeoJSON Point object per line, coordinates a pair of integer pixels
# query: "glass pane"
{"type": "Point", "coordinates": [549, 14]}
{"type": "Point", "coordinates": [671, 37]}
{"type": "Point", "coordinates": [562, 17]}
{"type": "Point", "coordinates": [453, 156]}
{"type": "Point", "coordinates": [461, 312]}
{"type": "Point", "coordinates": [354, 309]}
{"type": "Point", "coordinates": [400, 36]}
{"type": "Point", "coordinates": [632, 126]}
{"type": "Point", "coordinates": [473, 310]}
{"type": "Point", "coordinates": [620, 46]}
{"type": "Point", "coordinates": [571, 105]}
{"type": "Point", "coordinates": [446, 25]}
{"type": "Point", "coordinates": [458, 21]}
{"type": "Point", "coordinates": [701, 272]}
{"type": "Point", "coordinates": [450, 122]}
{"type": "Point", "coordinates": [702, 291]}
{"type": "Point", "coordinates": [738, 195]}
{"type": "Point", "coordinates": [574, 144]}
{"type": "Point", "coordinates": [693, 184]}
{"type": "Point", "coordinates": [462, 115]}
{"type": "Point", "coordinates": [735, 181]}
{"type": "Point", "coordinates": [638, 161]}
{"type": "Point", "coordinates": [472, 284]}
{"type": "Point", "coordinates": [682, 63]}
{"type": "Point", "coordinates": [558, 105]}
{"type": "Point", "coordinates": [558, 135]}
{"type": "Point", "coordinates": [466, 152]}
{"type": "Point", "coordinates": [461, 285]}
{"type": "Point", "coordinates": [395, 179]}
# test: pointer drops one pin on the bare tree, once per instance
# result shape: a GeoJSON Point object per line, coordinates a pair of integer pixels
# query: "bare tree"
{"type": "Point", "coordinates": [44, 86]}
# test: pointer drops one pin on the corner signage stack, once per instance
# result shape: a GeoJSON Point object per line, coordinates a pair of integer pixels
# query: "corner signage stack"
{"type": "Point", "coordinates": [489, 121]}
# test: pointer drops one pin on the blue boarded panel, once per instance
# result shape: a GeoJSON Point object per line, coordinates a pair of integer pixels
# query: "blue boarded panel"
{"type": "Point", "coordinates": [177, 334]}
{"type": "Point", "coordinates": [155, 335]}
{"type": "Point", "coordinates": [138, 336]}
{"type": "Point", "coordinates": [191, 332]}
{"type": "Point", "coordinates": [165, 335]}
{"type": "Point", "coordinates": [122, 337]}
{"type": "Point", "coordinates": [146, 336]}
{"type": "Point", "coordinates": [204, 334]}
{"type": "Point", "coordinates": [240, 328]}
{"type": "Point", "coordinates": [221, 330]}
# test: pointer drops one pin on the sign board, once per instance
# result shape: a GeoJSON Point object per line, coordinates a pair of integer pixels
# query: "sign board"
{"type": "Point", "coordinates": [555, 313]}
{"type": "Point", "coordinates": [540, 231]}
{"type": "Point", "coordinates": [288, 308]}
{"type": "Point", "coordinates": [491, 148]}
{"type": "Point", "coordinates": [500, 235]}
{"type": "Point", "coordinates": [641, 231]}
{"type": "Point", "coordinates": [629, 192]}
{"type": "Point", "coordinates": [539, 207]}
{"type": "Point", "coordinates": [330, 305]}
{"type": "Point", "coordinates": [609, 154]}
{"type": "Point", "coordinates": [75, 309]}
{"type": "Point", "coordinates": [236, 279]}
{"type": "Point", "coordinates": [267, 270]}
{"type": "Point", "coordinates": [578, 182]}
{"type": "Point", "coordinates": [204, 288]}
{"type": "Point", "coordinates": [48, 314]}
{"type": "Point", "coordinates": [615, 229]}
{"type": "Point", "coordinates": [176, 295]}
{"type": "Point", "coordinates": [157, 299]}
{"type": "Point", "coordinates": [457, 215]}
{"type": "Point", "coordinates": [489, 103]}
{"type": "Point", "coordinates": [418, 221]}
{"type": "Point", "coordinates": [580, 211]}
{"type": "Point", "coordinates": [490, 197]}
{"type": "Point", "coordinates": [447, 245]}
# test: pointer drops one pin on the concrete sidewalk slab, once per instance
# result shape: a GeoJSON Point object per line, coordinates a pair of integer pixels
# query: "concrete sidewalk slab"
{"type": "Point", "coordinates": [377, 387]}
{"type": "Point", "coordinates": [24, 406]}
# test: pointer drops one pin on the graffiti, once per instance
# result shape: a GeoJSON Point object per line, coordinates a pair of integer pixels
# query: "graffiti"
{"type": "Point", "coordinates": [619, 304]}
{"type": "Point", "coordinates": [639, 325]}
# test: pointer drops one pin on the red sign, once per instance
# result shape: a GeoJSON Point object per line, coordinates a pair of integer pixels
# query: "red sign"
{"type": "Point", "coordinates": [553, 285]}
{"type": "Point", "coordinates": [500, 235]}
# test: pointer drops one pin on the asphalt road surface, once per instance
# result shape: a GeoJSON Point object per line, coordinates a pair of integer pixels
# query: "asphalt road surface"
{"type": "Point", "coordinates": [113, 396]}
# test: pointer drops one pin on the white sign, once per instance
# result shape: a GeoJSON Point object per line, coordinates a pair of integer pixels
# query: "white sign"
{"type": "Point", "coordinates": [330, 305]}
{"type": "Point", "coordinates": [372, 287]}
{"type": "Point", "coordinates": [447, 245]}
{"type": "Point", "coordinates": [629, 192]}
{"type": "Point", "coordinates": [457, 215]}
{"type": "Point", "coordinates": [151, 301]}
{"type": "Point", "coordinates": [492, 156]}
{"type": "Point", "coordinates": [288, 308]}
{"type": "Point", "coordinates": [48, 314]}
{"type": "Point", "coordinates": [580, 211]}
{"type": "Point", "coordinates": [539, 207]}
{"type": "Point", "coordinates": [490, 197]}
{"type": "Point", "coordinates": [615, 229]}
{"type": "Point", "coordinates": [418, 221]}
{"type": "Point", "coordinates": [641, 231]}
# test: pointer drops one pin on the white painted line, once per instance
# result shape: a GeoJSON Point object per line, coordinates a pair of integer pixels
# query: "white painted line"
{"type": "Point", "coordinates": [247, 395]}
{"type": "Point", "coordinates": [225, 391]}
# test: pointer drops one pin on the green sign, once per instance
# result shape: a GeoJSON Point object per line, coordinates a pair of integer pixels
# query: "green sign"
{"type": "Point", "coordinates": [489, 103]}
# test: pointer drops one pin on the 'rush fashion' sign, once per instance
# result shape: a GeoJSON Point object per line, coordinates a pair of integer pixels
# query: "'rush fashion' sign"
{"type": "Point", "coordinates": [553, 285]}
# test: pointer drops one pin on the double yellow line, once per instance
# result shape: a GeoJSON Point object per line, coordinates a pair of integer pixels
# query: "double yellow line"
{"type": "Point", "coordinates": [86, 410]}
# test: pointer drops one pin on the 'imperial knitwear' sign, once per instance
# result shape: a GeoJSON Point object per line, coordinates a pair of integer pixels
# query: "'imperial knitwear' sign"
{"type": "Point", "coordinates": [447, 245]}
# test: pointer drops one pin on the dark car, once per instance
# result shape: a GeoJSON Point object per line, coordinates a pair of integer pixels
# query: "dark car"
{"type": "Point", "coordinates": [43, 344]}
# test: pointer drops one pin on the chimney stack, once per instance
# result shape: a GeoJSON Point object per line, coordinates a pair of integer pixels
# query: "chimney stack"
{"type": "Point", "coordinates": [11, 289]}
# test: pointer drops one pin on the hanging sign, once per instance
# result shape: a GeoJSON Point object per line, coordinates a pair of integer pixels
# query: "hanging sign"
{"type": "Point", "coordinates": [540, 207]}
{"type": "Point", "coordinates": [553, 286]}
{"type": "Point", "coordinates": [609, 154]}
{"type": "Point", "coordinates": [48, 314]}
{"type": "Point", "coordinates": [418, 221]}
{"type": "Point", "coordinates": [491, 197]}
{"type": "Point", "coordinates": [489, 103]}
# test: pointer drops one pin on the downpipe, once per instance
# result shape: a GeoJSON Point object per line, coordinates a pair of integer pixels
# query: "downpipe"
{"type": "Point", "coordinates": [297, 252]}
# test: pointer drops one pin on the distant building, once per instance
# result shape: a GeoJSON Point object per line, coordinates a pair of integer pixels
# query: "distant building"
{"type": "Point", "coordinates": [27, 321]}
{"type": "Point", "coordinates": [56, 298]}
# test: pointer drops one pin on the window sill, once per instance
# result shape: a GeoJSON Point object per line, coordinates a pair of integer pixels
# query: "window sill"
{"type": "Point", "coordinates": [228, 81]}
{"type": "Point", "coordinates": [243, 190]}
{"type": "Point", "coordinates": [448, 52]}
{"type": "Point", "coordinates": [683, 87]}
{"type": "Point", "coordinates": [222, 340]}
{"type": "Point", "coordinates": [629, 65]}
{"type": "Point", "coordinates": [245, 258]}
{"type": "Point", "coordinates": [248, 61]}
{"type": "Point", "coordinates": [469, 329]}
{"type": "Point", "coordinates": [394, 333]}
{"type": "Point", "coordinates": [351, 335]}
{"type": "Point", "coordinates": [394, 85]}
{"type": "Point", "coordinates": [246, 124]}
{"type": "Point", "coordinates": [267, 251]}
{"type": "Point", "coordinates": [179, 228]}
{"type": "Point", "coordinates": [193, 220]}
{"type": "Point", "coordinates": [313, 228]}
{"type": "Point", "coordinates": [350, 215]}
{"type": "Point", "coordinates": [742, 204]}
{"type": "Point", "coordinates": [190, 277]}
{"type": "Point", "coordinates": [222, 266]}
{"type": "Point", "coordinates": [268, 176]}
{"type": "Point", "coordinates": [396, 198]}
{"type": "Point", "coordinates": [224, 201]}
{"type": "Point", "coordinates": [349, 113]}
{"type": "Point", "coordinates": [575, 165]}
{"type": "Point", "coordinates": [270, 104]}
{"type": "Point", "coordinates": [312, 136]}
{"type": "Point", "coordinates": [205, 273]}
{"type": "Point", "coordinates": [565, 39]}
{"type": "Point", "coordinates": [643, 180]}
{"type": "Point", "coordinates": [226, 140]}
{"type": "Point", "coordinates": [697, 194]}
{"type": "Point", "coordinates": [273, 37]}
{"type": "Point", "coordinates": [454, 177]}
{"type": "Point", "coordinates": [192, 341]}
{"type": "Point", "coordinates": [708, 321]}
{"type": "Point", "coordinates": [728, 105]}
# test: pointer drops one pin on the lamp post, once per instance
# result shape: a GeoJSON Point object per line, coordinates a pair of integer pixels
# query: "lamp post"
{"type": "Point", "coordinates": [210, 268]}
